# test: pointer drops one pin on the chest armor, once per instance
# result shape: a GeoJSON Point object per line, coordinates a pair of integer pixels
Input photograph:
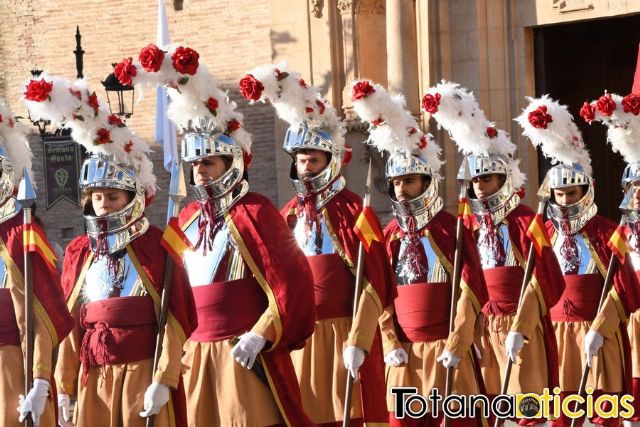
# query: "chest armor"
{"type": "Point", "coordinates": [102, 281]}
{"type": "Point", "coordinates": [584, 259]}
{"type": "Point", "coordinates": [487, 257]}
{"type": "Point", "coordinates": [204, 269]}
{"type": "Point", "coordinates": [411, 267]}
{"type": "Point", "coordinates": [314, 240]}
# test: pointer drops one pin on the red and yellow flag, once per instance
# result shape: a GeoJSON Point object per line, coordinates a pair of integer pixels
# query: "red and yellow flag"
{"type": "Point", "coordinates": [466, 213]}
{"type": "Point", "coordinates": [35, 240]}
{"type": "Point", "coordinates": [368, 228]}
{"type": "Point", "coordinates": [538, 235]}
{"type": "Point", "coordinates": [175, 241]}
{"type": "Point", "coordinates": [618, 244]}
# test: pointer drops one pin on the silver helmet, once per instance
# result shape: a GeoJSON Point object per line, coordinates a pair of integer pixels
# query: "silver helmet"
{"type": "Point", "coordinates": [310, 137]}
{"type": "Point", "coordinates": [197, 145]}
{"type": "Point", "coordinates": [579, 213]}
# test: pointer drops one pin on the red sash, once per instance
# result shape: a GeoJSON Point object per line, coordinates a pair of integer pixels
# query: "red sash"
{"type": "Point", "coordinates": [422, 310]}
{"type": "Point", "coordinates": [333, 286]}
{"type": "Point", "coordinates": [9, 332]}
{"type": "Point", "coordinates": [579, 301]}
{"type": "Point", "coordinates": [117, 330]}
{"type": "Point", "coordinates": [227, 309]}
{"type": "Point", "coordinates": [503, 285]}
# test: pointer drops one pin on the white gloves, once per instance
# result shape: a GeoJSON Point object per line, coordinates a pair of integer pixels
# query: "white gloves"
{"type": "Point", "coordinates": [156, 396]}
{"type": "Point", "coordinates": [353, 358]}
{"type": "Point", "coordinates": [247, 349]}
{"type": "Point", "coordinates": [35, 401]}
{"type": "Point", "coordinates": [396, 357]}
{"type": "Point", "coordinates": [64, 412]}
{"type": "Point", "coordinates": [513, 344]}
{"type": "Point", "coordinates": [448, 359]}
{"type": "Point", "coordinates": [592, 343]}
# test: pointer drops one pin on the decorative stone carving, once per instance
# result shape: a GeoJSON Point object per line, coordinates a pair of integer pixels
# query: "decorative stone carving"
{"type": "Point", "coordinates": [317, 6]}
{"type": "Point", "coordinates": [348, 6]}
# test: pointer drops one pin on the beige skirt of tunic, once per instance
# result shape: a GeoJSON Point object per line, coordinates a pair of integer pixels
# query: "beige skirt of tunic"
{"type": "Point", "coordinates": [321, 373]}
{"type": "Point", "coordinates": [220, 392]}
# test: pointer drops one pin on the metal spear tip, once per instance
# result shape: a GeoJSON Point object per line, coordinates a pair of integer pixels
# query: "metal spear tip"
{"type": "Point", "coordinates": [544, 192]}
{"type": "Point", "coordinates": [369, 177]}
{"type": "Point", "coordinates": [26, 192]}
{"type": "Point", "coordinates": [177, 187]}
{"type": "Point", "coordinates": [464, 174]}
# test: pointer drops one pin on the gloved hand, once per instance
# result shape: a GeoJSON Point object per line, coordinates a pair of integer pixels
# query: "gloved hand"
{"type": "Point", "coordinates": [247, 349]}
{"type": "Point", "coordinates": [35, 401]}
{"type": "Point", "coordinates": [353, 358]}
{"type": "Point", "coordinates": [513, 344]}
{"type": "Point", "coordinates": [156, 396]}
{"type": "Point", "coordinates": [64, 411]}
{"type": "Point", "coordinates": [448, 359]}
{"type": "Point", "coordinates": [592, 343]}
{"type": "Point", "coordinates": [396, 357]}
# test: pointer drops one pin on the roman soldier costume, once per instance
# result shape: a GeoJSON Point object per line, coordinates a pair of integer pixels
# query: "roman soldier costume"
{"type": "Point", "coordinates": [52, 321]}
{"type": "Point", "coordinates": [421, 243]}
{"type": "Point", "coordinates": [321, 217]}
{"type": "Point", "coordinates": [113, 277]}
{"type": "Point", "coordinates": [579, 237]}
{"type": "Point", "coordinates": [621, 116]}
{"type": "Point", "coordinates": [499, 224]}
{"type": "Point", "coordinates": [251, 283]}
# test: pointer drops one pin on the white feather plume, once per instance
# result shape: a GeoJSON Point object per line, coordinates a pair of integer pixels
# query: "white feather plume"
{"type": "Point", "coordinates": [392, 128]}
{"type": "Point", "coordinates": [89, 118]}
{"type": "Point", "coordinates": [623, 128]}
{"type": "Point", "coordinates": [459, 113]}
{"type": "Point", "coordinates": [13, 138]}
{"type": "Point", "coordinates": [297, 102]}
{"type": "Point", "coordinates": [560, 140]}
{"type": "Point", "coordinates": [191, 99]}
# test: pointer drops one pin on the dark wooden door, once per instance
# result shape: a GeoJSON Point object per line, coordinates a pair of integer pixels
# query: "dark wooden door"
{"type": "Point", "coordinates": [575, 63]}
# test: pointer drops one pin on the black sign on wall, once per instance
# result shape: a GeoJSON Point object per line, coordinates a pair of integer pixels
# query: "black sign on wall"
{"type": "Point", "coordinates": [61, 171]}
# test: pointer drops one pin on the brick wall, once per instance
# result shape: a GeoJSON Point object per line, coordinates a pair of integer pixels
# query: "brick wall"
{"type": "Point", "coordinates": [231, 36]}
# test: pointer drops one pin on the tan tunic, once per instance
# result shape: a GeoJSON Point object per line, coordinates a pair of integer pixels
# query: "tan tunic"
{"type": "Point", "coordinates": [220, 392]}
{"type": "Point", "coordinates": [422, 370]}
{"type": "Point", "coordinates": [113, 395]}
{"type": "Point", "coordinates": [12, 363]}
{"type": "Point", "coordinates": [607, 367]}
{"type": "Point", "coordinates": [633, 328]}
{"type": "Point", "coordinates": [529, 373]}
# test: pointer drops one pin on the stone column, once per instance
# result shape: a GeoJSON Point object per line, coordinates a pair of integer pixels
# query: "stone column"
{"type": "Point", "coordinates": [402, 52]}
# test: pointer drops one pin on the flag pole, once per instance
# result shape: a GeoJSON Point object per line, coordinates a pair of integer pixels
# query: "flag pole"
{"type": "Point", "coordinates": [356, 300]}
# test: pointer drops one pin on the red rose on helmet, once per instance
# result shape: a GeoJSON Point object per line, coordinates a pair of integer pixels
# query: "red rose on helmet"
{"type": "Point", "coordinates": [631, 104]}
{"type": "Point", "coordinates": [321, 106]}
{"type": "Point", "coordinates": [128, 146]}
{"type": "Point", "coordinates": [491, 132]}
{"type": "Point", "coordinates": [302, 83]}
{"type": "Point", "coordinates": [151, 58]}
{"type": "Point", "coordinates": [38, 90]}
{"type": "Point", "coordinates": [125, 70]}
{"type": "Point", "coordinates": [588, 112]}
{"type": "Point", "coordinates": [103, 136]}
{"type": "Point", "coordinates": [185, 60]}
{"type": "Point", "coordinates": [362, 90]}
{"type": "Point", "coordinates": [212, 104]}
{"type": "Point", "coordinates": [377, 122]}
{"type": "Point", "coordinates": [233, 125]}
{"type": "Point", "coordinates": [251, 88]}
{"type": "Point", "coordinates": [539, 117]}
{"type": "Point", "coordinates": [430, 103]}
{"type": "Point", "coordinates": [423, 142]}
{"type": "Point", "coordinates": [605, 105]}
{"type": "Point", "coordinates": [281, 75]}
{"type": "Point", "coordinates": [246, 159]}
{"type": "Point", "coordinates": [93, 103]}
{"type": "Point", "coordinates": [115, 121]}
{"type": "Point", "coordinates": [308, 109]}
